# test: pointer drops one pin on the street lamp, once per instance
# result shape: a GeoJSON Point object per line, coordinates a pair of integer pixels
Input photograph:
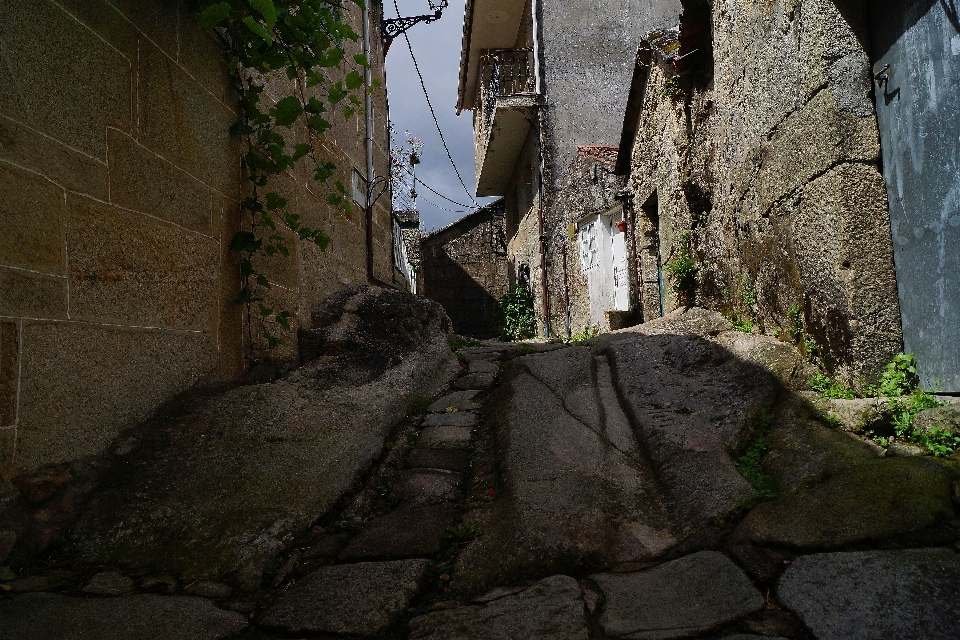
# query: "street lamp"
{"type": "Point", "coordinates": [390, 29]}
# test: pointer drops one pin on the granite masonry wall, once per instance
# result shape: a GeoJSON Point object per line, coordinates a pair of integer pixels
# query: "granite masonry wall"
{"type": "Point", "coordinates": [119, 194]}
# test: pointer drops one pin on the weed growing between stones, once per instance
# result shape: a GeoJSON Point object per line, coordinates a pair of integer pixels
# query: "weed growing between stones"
{"type": "Point", "coordinates": [750, 463]}
{"type": "Point", "coordinates": [589, 331]}
{"type": "Point", "coordinates": [683, 271]}
{"type": "Point", "coordinates": [827, 387]}
{"type": "Point", "coordinates": [514, 313]}
{"type": "Point", "coordinates": [462, 342]}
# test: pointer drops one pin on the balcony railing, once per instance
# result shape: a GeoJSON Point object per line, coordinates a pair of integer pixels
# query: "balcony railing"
{"type": "Point", "coordinates": [503, 73]}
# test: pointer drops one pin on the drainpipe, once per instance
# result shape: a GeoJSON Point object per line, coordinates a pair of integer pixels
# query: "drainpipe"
{"type": "Point", "coordinates": [368, 146]}
{"type": "Point", "coordinates": [543, 240]}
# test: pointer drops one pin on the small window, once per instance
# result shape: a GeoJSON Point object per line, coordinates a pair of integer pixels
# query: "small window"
{"type": "Point", "coordinates": [359, 188]}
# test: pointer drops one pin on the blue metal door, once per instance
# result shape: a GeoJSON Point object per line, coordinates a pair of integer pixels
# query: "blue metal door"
{"type": "Point", "coordinates": [916, 61]}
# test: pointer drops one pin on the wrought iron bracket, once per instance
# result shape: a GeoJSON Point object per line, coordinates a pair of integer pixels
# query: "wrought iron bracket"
{"type": "Point", "coordinates": [393, 27]}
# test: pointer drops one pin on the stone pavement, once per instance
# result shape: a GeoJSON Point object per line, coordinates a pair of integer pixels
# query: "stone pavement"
{"type": "Point", "coordinates": [580, 492]}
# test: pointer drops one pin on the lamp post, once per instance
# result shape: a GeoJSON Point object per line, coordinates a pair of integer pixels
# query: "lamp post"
{"type": "Point", "coordinates": [390, 29]}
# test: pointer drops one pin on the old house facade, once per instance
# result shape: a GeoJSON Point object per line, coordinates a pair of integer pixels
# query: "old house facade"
{"type": "Point", "coordinates": [753, 148]}
{"type": "Point", "coordinates": [464, 267]}
{"type": "Point", "coordinates": [120, 190]}
{"type": "Point", "coordinates": [542, 79]}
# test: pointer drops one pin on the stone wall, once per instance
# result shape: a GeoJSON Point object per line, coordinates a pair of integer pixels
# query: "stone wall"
{"type": "Point", "coordinates": [464, 268]}
{"type": "Point", "coordinates": [119, 194]}
{"type": "Point", "coordinates": [765, 160]}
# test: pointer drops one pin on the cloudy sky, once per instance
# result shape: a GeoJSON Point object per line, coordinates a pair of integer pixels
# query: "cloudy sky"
{"type": "Point", "coordinates": [437, 50]}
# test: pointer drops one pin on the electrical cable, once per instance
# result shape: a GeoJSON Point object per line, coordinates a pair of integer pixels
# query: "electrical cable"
{"type": "Point", "coordinates": [434, 115]}
{"type": "Point", "coordinates": [435, 192]}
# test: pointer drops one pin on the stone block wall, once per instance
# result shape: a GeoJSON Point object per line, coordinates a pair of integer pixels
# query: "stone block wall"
{"type": "Point", "coordinates": [464, 268]}
{"type": "Point", "coordinates": [767, 157]}
{"type": "Point", "coordinates": [119, 194]}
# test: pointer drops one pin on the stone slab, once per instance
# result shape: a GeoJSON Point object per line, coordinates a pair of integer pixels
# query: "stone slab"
{"type": "Point", "coordinates": [363, 599]}
{"type": "Point", "coordinates": [575, 489]}
{"type": "Point", "coordinates": [549, 610]}
{"type": "Point", "coordinates": [445, 438]}
{"type": "Point", "coordinates": [461, 400]}
{"type": "Point", "coordinates": [449, 459]}
{"type": "Point", "coordinates": [877, 500]}
{"type": "Point", "coordinates": [482, 366]}
{"type": "Point", "coordinates": [108, 583]}
{"type": "Point", "coordinates": [942, 417]}
{"type": "Point", "coordinates": [475, 381]}
{"type": "Point", "coordinates": [426, 486]}
{"type": "Point", "coordinates": [876, 594]}
{"type": "Point", "coordinates": [457, 419]}
{"type": "Point", "coordinates": [410, 531]}
{"type": "Point", "coordinates": [44, 616]}
{"type": "Point", "coordinates": [680, 598]}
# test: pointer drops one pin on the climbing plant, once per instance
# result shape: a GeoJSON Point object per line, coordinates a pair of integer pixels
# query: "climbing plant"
{"type": "Point", "coordinates": [303, 41]}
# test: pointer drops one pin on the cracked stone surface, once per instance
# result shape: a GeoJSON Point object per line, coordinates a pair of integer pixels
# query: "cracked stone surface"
{"type": "Point", "coordinates": [449, 459]}
{"type": "Point", "coordinates": [549, 610]}
{"type": "Point", "coordinates": [145, 617]}
{"type": "Point", "coordinates": [445, 438]}
{"type": "Point", "coordinates": [684, 597]}
{"type": "Point", "coordinates": [458, 419]}
{"type": "Point", "coordinates": [411, 530]}
{"type": "Point", "coordinates": [362, 599]}
{"type": "Point", "coordinates": [426, 486]}
{"type": "Point", "coordinates": [876, 594]}
{"type": "Point", "coordinates": [460, 400]}
{"type": "Point", "coordinates": [108, 583]}
{"type": "Point", "coordinates": [259, 463]}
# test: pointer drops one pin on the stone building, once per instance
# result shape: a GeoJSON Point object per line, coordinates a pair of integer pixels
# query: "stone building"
{"type": "Point", "coordinates": [464, 267]}
{"type": "Point", "coordinates": [543, 78]}
{"type": "Point", "coordinates": [751, 142]}
{"type": "Point", "coordinates": [120, 187]}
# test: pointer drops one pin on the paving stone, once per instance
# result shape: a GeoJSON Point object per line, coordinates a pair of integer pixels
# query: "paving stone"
{"type": "Point", "coordinates": [941, 417]}
{"type": "Point", "coordinates": [45, 616]}
{"type": "Point", "coordinates": [475, 381]}
{"type": "Point", "coordinates": [109, 583]}
{"type": "Point", "coordinates": [42, 582]}
{"type": "Point", "coordinates": [160, 584]}
{"type": "Point", "coordinates": [426, 486]}
{"type": "Point", "coordinates": [483, 366]}
{"type": "Point", "coordinates": [772, 622]}
{"type": "Point", "coordinates": [410, 531]}
{"type": "Point", "coordinates": [749, 636]}
{"type": "Point", "coordinates": [876, 594]}
{"type": "Point", "coordinates": [680, 598]}
{"type": "Point", "coordinates": [906, 450]}
{"type": "Point", "coordinates": [445, 438]}
{"type": "Point", "coordinates": [363, 599]}
{"type": "Point", "coordinates": [458, 419]}
{"type": "Point", "coordinates": [761, 563]}
{"type": "Point", "coordinates": [209, 589]}
{"type": "Point", "coordinates": [877, 500]}
{"type": "Point", "coordinates": [327, 546]}
{"type": "Point", "coordinates": [449, 459]}
{"type": "Point", "coordinates": [461, 400]}
{"type": "Point", "coordinates": [549, 610]}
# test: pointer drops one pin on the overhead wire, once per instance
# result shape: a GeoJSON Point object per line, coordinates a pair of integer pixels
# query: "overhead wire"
{"type": "Point", "coordinates": [435, 121]}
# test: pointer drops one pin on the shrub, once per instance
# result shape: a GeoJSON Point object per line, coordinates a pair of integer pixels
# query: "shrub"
{"type": "Point", "coordinates": [515, 314]}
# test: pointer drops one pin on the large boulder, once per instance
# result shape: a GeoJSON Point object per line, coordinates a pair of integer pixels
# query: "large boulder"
{"type": "Point", "coordinates": [222, 485]}
{"type": "Point", "coordinates": [874, 501]}
{"type": "Point", "coordinates": [867, 595]}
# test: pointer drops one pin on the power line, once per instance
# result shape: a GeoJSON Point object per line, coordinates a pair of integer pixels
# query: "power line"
{"type": "Point", "coordinates": [434, 191]}
{"type": "Point", "coordinates": [434, 115]}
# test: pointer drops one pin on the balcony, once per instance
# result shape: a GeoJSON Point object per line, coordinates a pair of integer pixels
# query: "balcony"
{"type": "Point", "coordinates": [503, 110]}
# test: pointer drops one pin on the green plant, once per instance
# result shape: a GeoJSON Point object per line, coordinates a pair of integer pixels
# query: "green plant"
{"type": "Point", "coordinates": [938, 440]}
{"type": "Point", "coordinates": [464, 532]}
{"type": "Point", "coordinates": [462, 342]}
{"type": "Point", "coordinates": [744, 324]}
{"type": "Point", "coordinates": [905, 408]}
{"type": "Point", "coordinates": [670, 89]}
{"type": "Point", "coordinates": [514, 313]}
{"type": "Point", "coordinates": [683, 272]}
{"type": "Point", "coordinates": [418, 405]}
{"type": "Point", "coordinates": [747, 292]}
{"type": "Point", "coordinates": [750, 463]}
{"type": "Point", "coordinates": [898, 378]}
{"type": "Point", "coordinates": [830, 388]}
{"type": "Point", "coordinates": [589, 331]}
{"type": "Point", "coordinates": [810, 346]}
{"type": "Point", "coordinates": [831, 420]}
{"type": "Point", "coordinates": [795, 316]}
{"type": "Point", "coordinates": [303, 40]}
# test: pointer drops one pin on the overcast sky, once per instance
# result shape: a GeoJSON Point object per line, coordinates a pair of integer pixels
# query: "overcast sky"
{"type": "Point", "coordinates": [437, 49]}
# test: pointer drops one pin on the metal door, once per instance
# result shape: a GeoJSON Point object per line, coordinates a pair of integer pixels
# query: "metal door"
{"type": "Point", "coordinates": [916, 62]}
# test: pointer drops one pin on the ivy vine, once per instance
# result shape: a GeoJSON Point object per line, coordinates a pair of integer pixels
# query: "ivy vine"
{"type": "Point", "coordinates": [303, 39]}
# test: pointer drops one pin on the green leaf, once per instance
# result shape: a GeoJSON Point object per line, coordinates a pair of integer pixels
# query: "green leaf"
{"type": "Point", "coordinates": [264, 310]}
{"type": "Point", "coordinates": [263, 282]}
{"type": "Point", "coordinates": [259, 30]}
{"type": "Point", "coordinates": [7, 574]}
{"type": "Point", "coordinates": [274, 201]}
{"type": "Point", "coordinates": [354, 81]}
{"type": "Point", "coordinates": [301, 150]}
{"type": "Point", "coordinates": [267, 10]}
{"type": "Point", "coordinates": [245, 241]}
{"type": "Point", "coordinates": [283, 319]}
{"type": "Point", "coordinates": [287, 111]}
{"type": "Point", "coordinates": [214, 15]}
{"type": "Point", "coordinates": [361, 60]}
{"type": "Point", "coordinates": [322, 240]}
